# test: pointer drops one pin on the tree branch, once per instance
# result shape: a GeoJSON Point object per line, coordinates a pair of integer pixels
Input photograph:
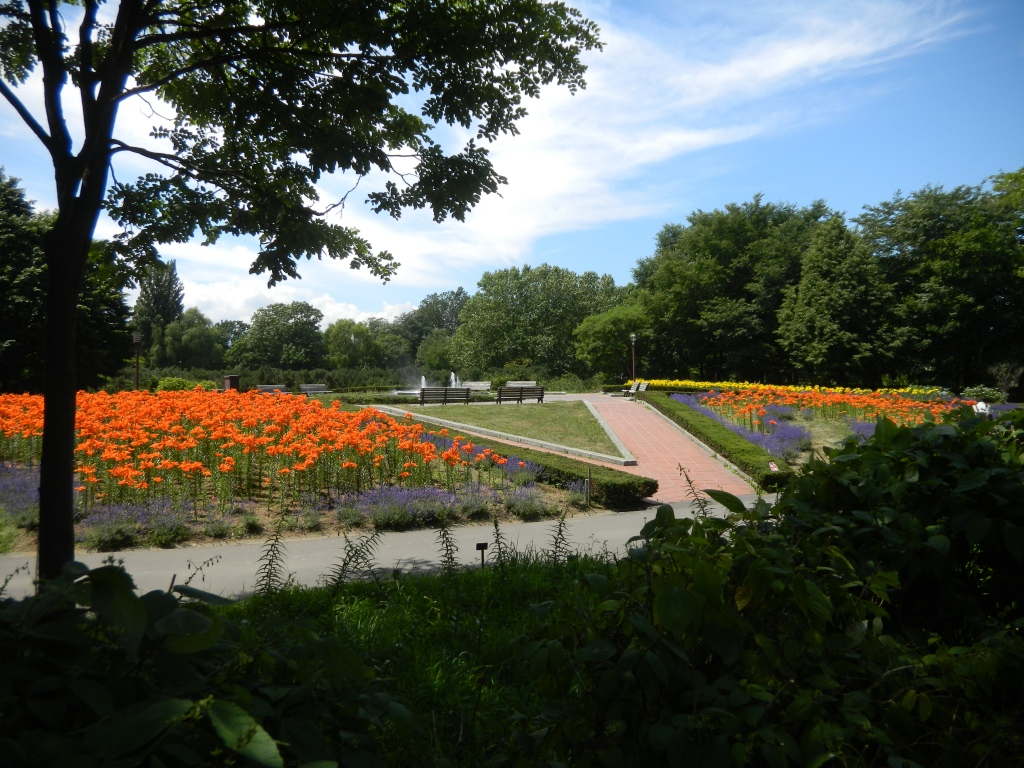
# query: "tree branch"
{"type": "Point", "coordinates": [86, 72]}
{"type": "Point", "coordinates": [231, 59]}
{"type": "Point", "coordinates": [25, 115]}
{"type": "Point", "coordinates": [165, 159]}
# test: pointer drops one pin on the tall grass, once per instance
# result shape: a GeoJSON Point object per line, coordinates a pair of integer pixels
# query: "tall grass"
{"type": "Point", "coordinates": [448, 644]}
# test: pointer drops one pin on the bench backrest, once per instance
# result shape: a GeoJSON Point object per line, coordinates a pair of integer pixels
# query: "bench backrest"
{"type": "Point", "coordinates": [313, 387]}
{"type": "Point", "coordinates": [519, 393]}
{"type": "Point", "coordinates": [444, 394]}
{"type": "Point", "coordinates": [642, 387]}
{"type": "Point", "coordinates": [477, 385]}
{"type": "Point", "coordinates": [632, 389]}
{"type": "Point", "coordinates": [521, 384]}
{"type": "Point", "coordinates": [270, 388]}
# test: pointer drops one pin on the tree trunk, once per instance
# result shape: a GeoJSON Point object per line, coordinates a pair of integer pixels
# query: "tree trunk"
{"type": "Point", "coordinates": [67, 248]}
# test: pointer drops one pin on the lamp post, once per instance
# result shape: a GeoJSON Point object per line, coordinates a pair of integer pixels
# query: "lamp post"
{"type": "Point", "coordinates": [137, 338]}
{"type": "Point", "coordinates": [632, 341]}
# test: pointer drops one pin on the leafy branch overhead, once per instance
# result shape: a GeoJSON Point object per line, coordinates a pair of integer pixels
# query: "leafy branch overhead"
{"type": "Point", "coordinates": [267, 97]}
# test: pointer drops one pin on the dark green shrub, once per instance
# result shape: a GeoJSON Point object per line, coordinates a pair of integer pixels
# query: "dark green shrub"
{"type": "Point", "coordinates": [113, 536]}
{"type": "Point", "coordinates": [94, 675]}
{"type": "Point", "coordinates": [217, 528]}
{"type": "Point", "coordinates": [804, 634]}
{"type": "Point", "coordinates": [250, 525]}
{"type": "Point", "coordinates": [745, 455]}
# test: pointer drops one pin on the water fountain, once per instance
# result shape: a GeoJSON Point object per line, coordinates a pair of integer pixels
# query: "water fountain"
{"type": "Point", "coordinates": [423, 383]}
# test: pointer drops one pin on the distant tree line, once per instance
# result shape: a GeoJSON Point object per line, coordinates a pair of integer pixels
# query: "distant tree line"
{"type": "Point", "coordinates": [923, 288]}
{"type": "Point", "coordinates": [927, 287]}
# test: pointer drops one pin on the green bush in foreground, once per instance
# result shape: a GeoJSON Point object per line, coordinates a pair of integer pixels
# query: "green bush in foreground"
{"type": "Point", "coordinates": [748, 457]}
{"type": "Point", "coordinates": [871, 617]}
{"type": "Point", "coordinates": [92, 675]}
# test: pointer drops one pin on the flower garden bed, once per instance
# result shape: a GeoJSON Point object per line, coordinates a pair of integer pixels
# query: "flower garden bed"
{"type": "Point", "coordinates": [159, 469]}
{"type": "Point", "coordinates": [759, 426]}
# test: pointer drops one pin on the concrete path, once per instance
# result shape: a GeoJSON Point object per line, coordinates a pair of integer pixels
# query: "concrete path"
{"type": "Point", "coordinates": [309, 559]}
{"type": "Point", "coordinates": [661, 447]}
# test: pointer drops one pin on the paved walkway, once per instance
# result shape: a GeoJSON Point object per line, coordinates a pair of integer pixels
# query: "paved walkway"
{"type": "Point", "coordinates": [660, 448]}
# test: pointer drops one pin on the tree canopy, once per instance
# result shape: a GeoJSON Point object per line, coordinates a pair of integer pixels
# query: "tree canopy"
{"type": "Point", "coordinates": [955, 259]}
{"type": "Point", "coordinates": [281, 336]}
{"type": "Point", "coordinates": [833, 323]}
{"type": "Point", "coordinates": [161, 301]}
{"type": "Point", "coordinates": [713, 288]}
{"type": "Point", "coordinates": [103, 341]}
{"type": "Point", "coordinates": [264, 99]}
{"type": "Point", "coordinates": [527, 316]}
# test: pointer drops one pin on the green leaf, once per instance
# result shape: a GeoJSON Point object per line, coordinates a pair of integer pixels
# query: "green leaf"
{"type": "Point", "coordinates": [977, 527]}
{"type": "Point", "coordinates": [205, 597]}
{"type": "Point", "coordinates": [598, 649]}
{"type": "Point", "coordinates": [1013, 538]}
{"type": "Point", "coordinates": [924, 707]}
{"type": "Point", "coordinates": [598, 582]}
{"type": "Point", "coordinates": [184, 622]}
{"type": "Point", "coordinates": [727, 500]}
{"type": "Point", "coordinates": [115, 602]}
{"type": "Point", "coordinates": [818, 602]}
{"type": "Point", "coordinates": [189, 631]}
{"type": "Point", "coordinates": [820, 760]}
{"type": "Point", "coordinates": [665, 515]}
{"type": "Point", "coordinates": [940, 544]}
{"type": "Point", "coordinates": [240, 732]}
{"type": "Point", "coordinates": [126, 732]}
{"type": "Point", "coordinates": [976, 478]}
{"type": "Point", "coordinates": [677, 610]}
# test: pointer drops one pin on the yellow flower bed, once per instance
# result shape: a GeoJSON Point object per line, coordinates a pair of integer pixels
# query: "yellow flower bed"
{"type": "Point", "coordinates": [746, 385]}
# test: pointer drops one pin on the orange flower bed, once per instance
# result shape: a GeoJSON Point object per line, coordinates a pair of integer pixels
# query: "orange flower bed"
{"type": "Point", "coordinates": [199, 445]}
{"type": "Point", "coordinates": [749, 407]}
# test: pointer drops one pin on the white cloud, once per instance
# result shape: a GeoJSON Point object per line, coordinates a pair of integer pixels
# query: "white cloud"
{"type": "Point", "coordinates": [586, 159]}
{"type": "Point", "coordinates": [686, 79]}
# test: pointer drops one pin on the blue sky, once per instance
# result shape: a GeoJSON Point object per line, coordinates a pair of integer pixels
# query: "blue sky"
{"type": "Point", "coordinates": [692, 105]}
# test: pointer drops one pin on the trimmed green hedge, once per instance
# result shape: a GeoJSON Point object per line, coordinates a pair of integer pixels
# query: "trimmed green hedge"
{"type": "Point", "coordinates": [611, 488]}
{"type": "Point", "coordinates": [386, 398]}
{"type": "Point", "coordinates": [744, 454]}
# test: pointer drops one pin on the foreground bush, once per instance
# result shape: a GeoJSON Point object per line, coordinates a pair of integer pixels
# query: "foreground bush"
{"type": "Point", "coordinates": [92, 675]}
{"type": "Point", "coordinates": [872, 617]}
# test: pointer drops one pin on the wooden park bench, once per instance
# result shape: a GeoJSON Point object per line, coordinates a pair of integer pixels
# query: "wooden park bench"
{"type": "Point", "coordinates": [520, 383]}
{"type": "Point", "coordinates": [444, 395]}
{"type": "Point", "coordinates": [314, 389]}
{"type": "Point", "coordinates": [270, 389]}
{"type": "Point", "coordinates": [518, 394]}
{"type": "Point", "coordinates": [632, 390]}
{"type": "Point", "coordinates": [477, 386]}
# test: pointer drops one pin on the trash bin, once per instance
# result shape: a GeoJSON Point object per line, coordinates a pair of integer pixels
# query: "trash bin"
{"type": "Point", "coordinates": [230, 382]}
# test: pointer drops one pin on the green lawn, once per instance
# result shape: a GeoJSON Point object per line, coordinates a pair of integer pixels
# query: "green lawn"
{"type": "Point", "coordinates": [565, 423]}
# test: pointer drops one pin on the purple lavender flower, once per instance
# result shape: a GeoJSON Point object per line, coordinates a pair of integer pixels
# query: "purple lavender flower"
{"type": "Point", "coordinates": [120, 526]}
{"type": "Point", "coordinates": [782, 439]}
{"type": "Point", "coordinates": [19, 494]}
{"type": "Point", "coordinates": [526, 502]}
{"type": "Point", "coordinates": [862, 430]}
{"type": "Point", "coordinates": [396, 507]}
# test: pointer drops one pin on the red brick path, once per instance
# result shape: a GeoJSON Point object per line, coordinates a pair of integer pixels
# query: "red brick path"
{"type": "Point", "coordinates": [660, 448]}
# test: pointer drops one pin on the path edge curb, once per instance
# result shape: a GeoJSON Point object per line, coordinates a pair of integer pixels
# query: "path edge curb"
{"type": "Point", "coordinates": [611, 433]}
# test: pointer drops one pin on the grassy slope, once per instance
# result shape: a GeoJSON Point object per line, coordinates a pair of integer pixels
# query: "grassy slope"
{"type": "Point", "coordinates": [565, 423]}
